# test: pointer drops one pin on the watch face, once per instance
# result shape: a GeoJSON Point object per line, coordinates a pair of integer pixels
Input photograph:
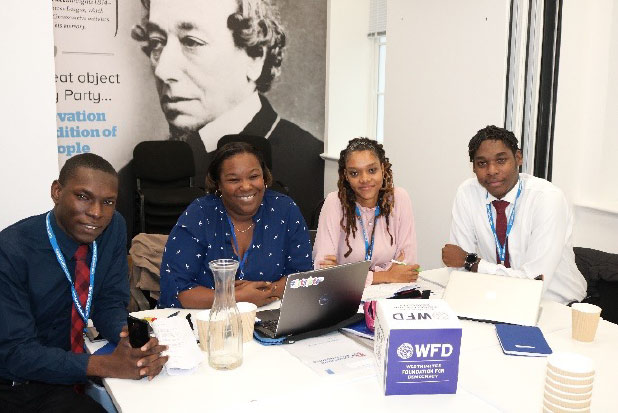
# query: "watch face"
{"type": "Point", "coordinates": [471, 258]}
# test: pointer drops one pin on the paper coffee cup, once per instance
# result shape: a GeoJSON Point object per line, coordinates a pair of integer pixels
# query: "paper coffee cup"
{"type": "Point", "coordinates": [556, 408]}
{"type": "Point", "coordinates": [567, 388]}
{"type": "Point", "coordinates": [566, 395]}
{"type": "Point", "coordinates": [202, 328]}
{"type": "Point", "coordinates": [585, 320]}
{"type": "Point", "coordinates": [569, 404]}
{"type": "Point", "coordinates": [564, 379]}
{"type": "Point", "coordinates": [571, 365]}
{"type": "Point", "coordinates": [247, 317]}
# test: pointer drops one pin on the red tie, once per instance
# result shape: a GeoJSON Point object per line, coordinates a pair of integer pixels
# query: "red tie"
{"type": "Point", "coordinates": [501, 229]}
{"type": "Point", "coordinates": [82, 283]}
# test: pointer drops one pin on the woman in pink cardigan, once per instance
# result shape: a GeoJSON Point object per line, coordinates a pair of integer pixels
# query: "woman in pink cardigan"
{"type": "Point", "coordinates": [368, 218]}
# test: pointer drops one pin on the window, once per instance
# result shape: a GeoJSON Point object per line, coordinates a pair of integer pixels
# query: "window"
{"type": "Point", "coordinates": [377, 34]}
{"type": "Point", "coordinates": [381, 75]}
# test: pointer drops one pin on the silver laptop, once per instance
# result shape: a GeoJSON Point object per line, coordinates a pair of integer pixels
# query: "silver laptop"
{"type": "Point", "coordinates": [494, 298]}
{"type": "Point", "coordinates": [316, 299]}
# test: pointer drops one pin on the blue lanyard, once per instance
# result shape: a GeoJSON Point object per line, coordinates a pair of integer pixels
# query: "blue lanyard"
{"type": "Point", "coordinates": [241, 266]}
{"type": "Point", "coordinates": [502, 248]}
{"type": "Point", "coordinates": [368, 245]}
{"type": "Point", "coordinates": [52, 240]}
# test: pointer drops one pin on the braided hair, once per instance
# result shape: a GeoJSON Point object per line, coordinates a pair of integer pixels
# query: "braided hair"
{"type": "Point", "coordinates": [386, 198]}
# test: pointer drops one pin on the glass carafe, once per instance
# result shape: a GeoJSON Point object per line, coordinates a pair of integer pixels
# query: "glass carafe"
{"type": "Point", "coordinates": [224, 326]}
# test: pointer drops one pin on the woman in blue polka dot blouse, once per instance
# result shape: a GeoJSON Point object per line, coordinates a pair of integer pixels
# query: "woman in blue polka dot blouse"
{"type": "Point", "coordinates": [240, 219]}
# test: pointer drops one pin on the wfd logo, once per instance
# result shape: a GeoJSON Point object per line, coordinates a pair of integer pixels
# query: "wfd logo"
{"type": "Point", "coordinates": [306, 282]}
{"type": "Point", "coordinates": [407, 350]}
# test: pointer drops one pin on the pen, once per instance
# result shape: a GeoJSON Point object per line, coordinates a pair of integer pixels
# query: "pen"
{"type": "Point", "coordinates": [173, 314]}
{"type": "Point", "coordinates": [405, 263]}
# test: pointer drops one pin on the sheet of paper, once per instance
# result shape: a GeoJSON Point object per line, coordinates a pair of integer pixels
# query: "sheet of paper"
{"type": "Point", "coordinates": [183, 351]}
{"type": "Point", "coordinates": [377, 291]}
{"type": "Point", "coordinates": [333, 354]}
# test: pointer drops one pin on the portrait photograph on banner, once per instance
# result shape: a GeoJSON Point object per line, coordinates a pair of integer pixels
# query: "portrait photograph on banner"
{"type": "Point", "coordinates": [185, 74]}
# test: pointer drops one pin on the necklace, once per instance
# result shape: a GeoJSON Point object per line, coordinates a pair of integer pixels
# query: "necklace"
{"type": "Point", "coordinates": [242, 231]}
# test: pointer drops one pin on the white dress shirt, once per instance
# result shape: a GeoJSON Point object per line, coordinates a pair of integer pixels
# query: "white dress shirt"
{"type": "Point", "coordinates": [539, 242]}
{"type": "Point", "coordinates": [231, 122]}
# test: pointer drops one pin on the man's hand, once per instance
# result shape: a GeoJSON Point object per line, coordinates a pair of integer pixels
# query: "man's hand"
{"type": "Point", "coordinates": [127, 362]}
{"type": "Point", "coordinates": [328, 261]}
{"type": "Point", "coordinates": [453, 256]}
{"type": "Point", "coordinates": [259, 293]}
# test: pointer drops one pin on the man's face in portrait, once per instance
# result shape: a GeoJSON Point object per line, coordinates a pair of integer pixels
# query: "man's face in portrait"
{"type": "Point", "coordinates": [200, 73]}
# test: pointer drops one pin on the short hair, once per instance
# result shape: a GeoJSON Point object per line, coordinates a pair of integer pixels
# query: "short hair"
{"type": "Point", "coordinates": [256, 28]}
{"type": "Point", "coordinates": [227, 151]}
{"type": "Point", "coordinates": [84, 160]}
{"type": "Point", "coordinates": [493, 133]}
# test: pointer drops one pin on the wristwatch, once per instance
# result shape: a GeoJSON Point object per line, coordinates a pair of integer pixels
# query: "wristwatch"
{"type": "Point", "coordinates": [471, 259]}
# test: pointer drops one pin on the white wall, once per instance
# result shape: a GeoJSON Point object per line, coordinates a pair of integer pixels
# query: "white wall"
{"type": "Point", "coordinates": [348, 79]}
{"type": "Point", "coordinates": [445, 79]}
{"type": "Point", "coordinates": [28, 159]}
{"type": "Point", "coordinates": [586, 135]}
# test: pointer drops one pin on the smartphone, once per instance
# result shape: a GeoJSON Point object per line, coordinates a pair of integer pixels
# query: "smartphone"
{"type": "Point", "coordinates": [138, 331]}
{"type": "Point", "coordinates": [93, 335]}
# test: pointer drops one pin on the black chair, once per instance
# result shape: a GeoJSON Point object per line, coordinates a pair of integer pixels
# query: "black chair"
{"type": "Point", "coordinates": [600, 269]}
{"type": "Point", "coordinates": [263, 146]}
{"type": "Point", "coordinates": [315, 215]}
{"type": "Point", "coordinates": [312, 235]}
{"type": "Point", "coordinates": [164, 171]}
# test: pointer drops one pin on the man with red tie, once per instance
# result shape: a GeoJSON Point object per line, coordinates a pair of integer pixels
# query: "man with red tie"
{"type": "Point", "coordinates": [57, 270]}
{"type": "Point", "coordinates": [510, 223]}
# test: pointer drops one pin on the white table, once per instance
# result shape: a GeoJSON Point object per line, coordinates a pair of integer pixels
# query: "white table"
{"type": "Point", "coordinates": [270, 378]}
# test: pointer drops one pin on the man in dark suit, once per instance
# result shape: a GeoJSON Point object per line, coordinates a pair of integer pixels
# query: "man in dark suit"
{"type": "Point", "coordinates": [213, 60]}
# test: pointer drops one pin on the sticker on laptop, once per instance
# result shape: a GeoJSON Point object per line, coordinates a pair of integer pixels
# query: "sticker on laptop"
{"type": "Point", "coordinates": [306, 282]}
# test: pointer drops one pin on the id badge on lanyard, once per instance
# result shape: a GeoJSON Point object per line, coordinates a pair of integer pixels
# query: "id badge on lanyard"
{"type": "Point", "coordinates": [83, 313]}
{"type": "Point", "coordinates": [502, 248]}
{"type": "Point", "coordinates": [241, 264]}
{"type": "Point", "coordinates": [368, 244]}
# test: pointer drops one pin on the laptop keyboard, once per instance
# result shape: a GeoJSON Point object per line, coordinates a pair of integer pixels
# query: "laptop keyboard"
{"type": "Point", "coordinates": [270, 325]}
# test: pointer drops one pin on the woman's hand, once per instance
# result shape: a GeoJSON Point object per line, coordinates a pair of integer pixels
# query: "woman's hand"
{"type": "Point", "coordinates": [398, 273]}
{"type": "Point", "coordinates": [328, 261]}
{"type": "Point", "coordinates": [259, 293]}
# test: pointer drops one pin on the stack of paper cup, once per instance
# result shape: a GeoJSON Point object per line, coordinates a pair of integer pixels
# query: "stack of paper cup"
{"type": "Point", "coordinates": [568, 384]}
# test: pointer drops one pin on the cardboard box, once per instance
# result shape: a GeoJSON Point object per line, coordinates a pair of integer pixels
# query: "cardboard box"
{"type": "Point", "coordinates": [417, 345]}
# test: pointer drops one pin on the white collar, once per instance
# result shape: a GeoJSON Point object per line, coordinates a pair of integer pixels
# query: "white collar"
{"type": "Point", "coordinates": [509, 197]}
{"type": "Point", "coordinates": [231, 122]}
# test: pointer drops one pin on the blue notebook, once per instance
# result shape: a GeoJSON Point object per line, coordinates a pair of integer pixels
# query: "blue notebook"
{"type": "Point", "coordinates": [519, 340]}
{"type": "Point", "coordinates": [359, 329]}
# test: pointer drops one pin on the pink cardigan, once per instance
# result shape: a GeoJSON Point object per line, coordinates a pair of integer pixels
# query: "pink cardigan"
{"type": "Point", "coordinates": [330, 239]}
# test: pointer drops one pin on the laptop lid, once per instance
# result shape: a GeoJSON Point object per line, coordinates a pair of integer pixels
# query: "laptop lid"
{"type": "Point", "coordinates": [321, 298]}
{"type": "Point", "coordinates": [494, 298]}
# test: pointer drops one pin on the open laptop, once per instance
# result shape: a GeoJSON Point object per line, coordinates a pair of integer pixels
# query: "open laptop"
{"type": "Point", "coordinates": [494, 298]}
{"type": "Point", "coordinates": [316, 299]}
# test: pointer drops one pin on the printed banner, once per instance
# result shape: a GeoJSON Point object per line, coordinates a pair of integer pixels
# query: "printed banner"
{"type": "Point", "coordinates": [131, 71]}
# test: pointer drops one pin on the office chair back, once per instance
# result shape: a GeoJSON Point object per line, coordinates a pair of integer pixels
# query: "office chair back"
{"type": "Point", "coordinates": [164, 172]}
{"type": "Point", "coordinates": [169, 163]}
